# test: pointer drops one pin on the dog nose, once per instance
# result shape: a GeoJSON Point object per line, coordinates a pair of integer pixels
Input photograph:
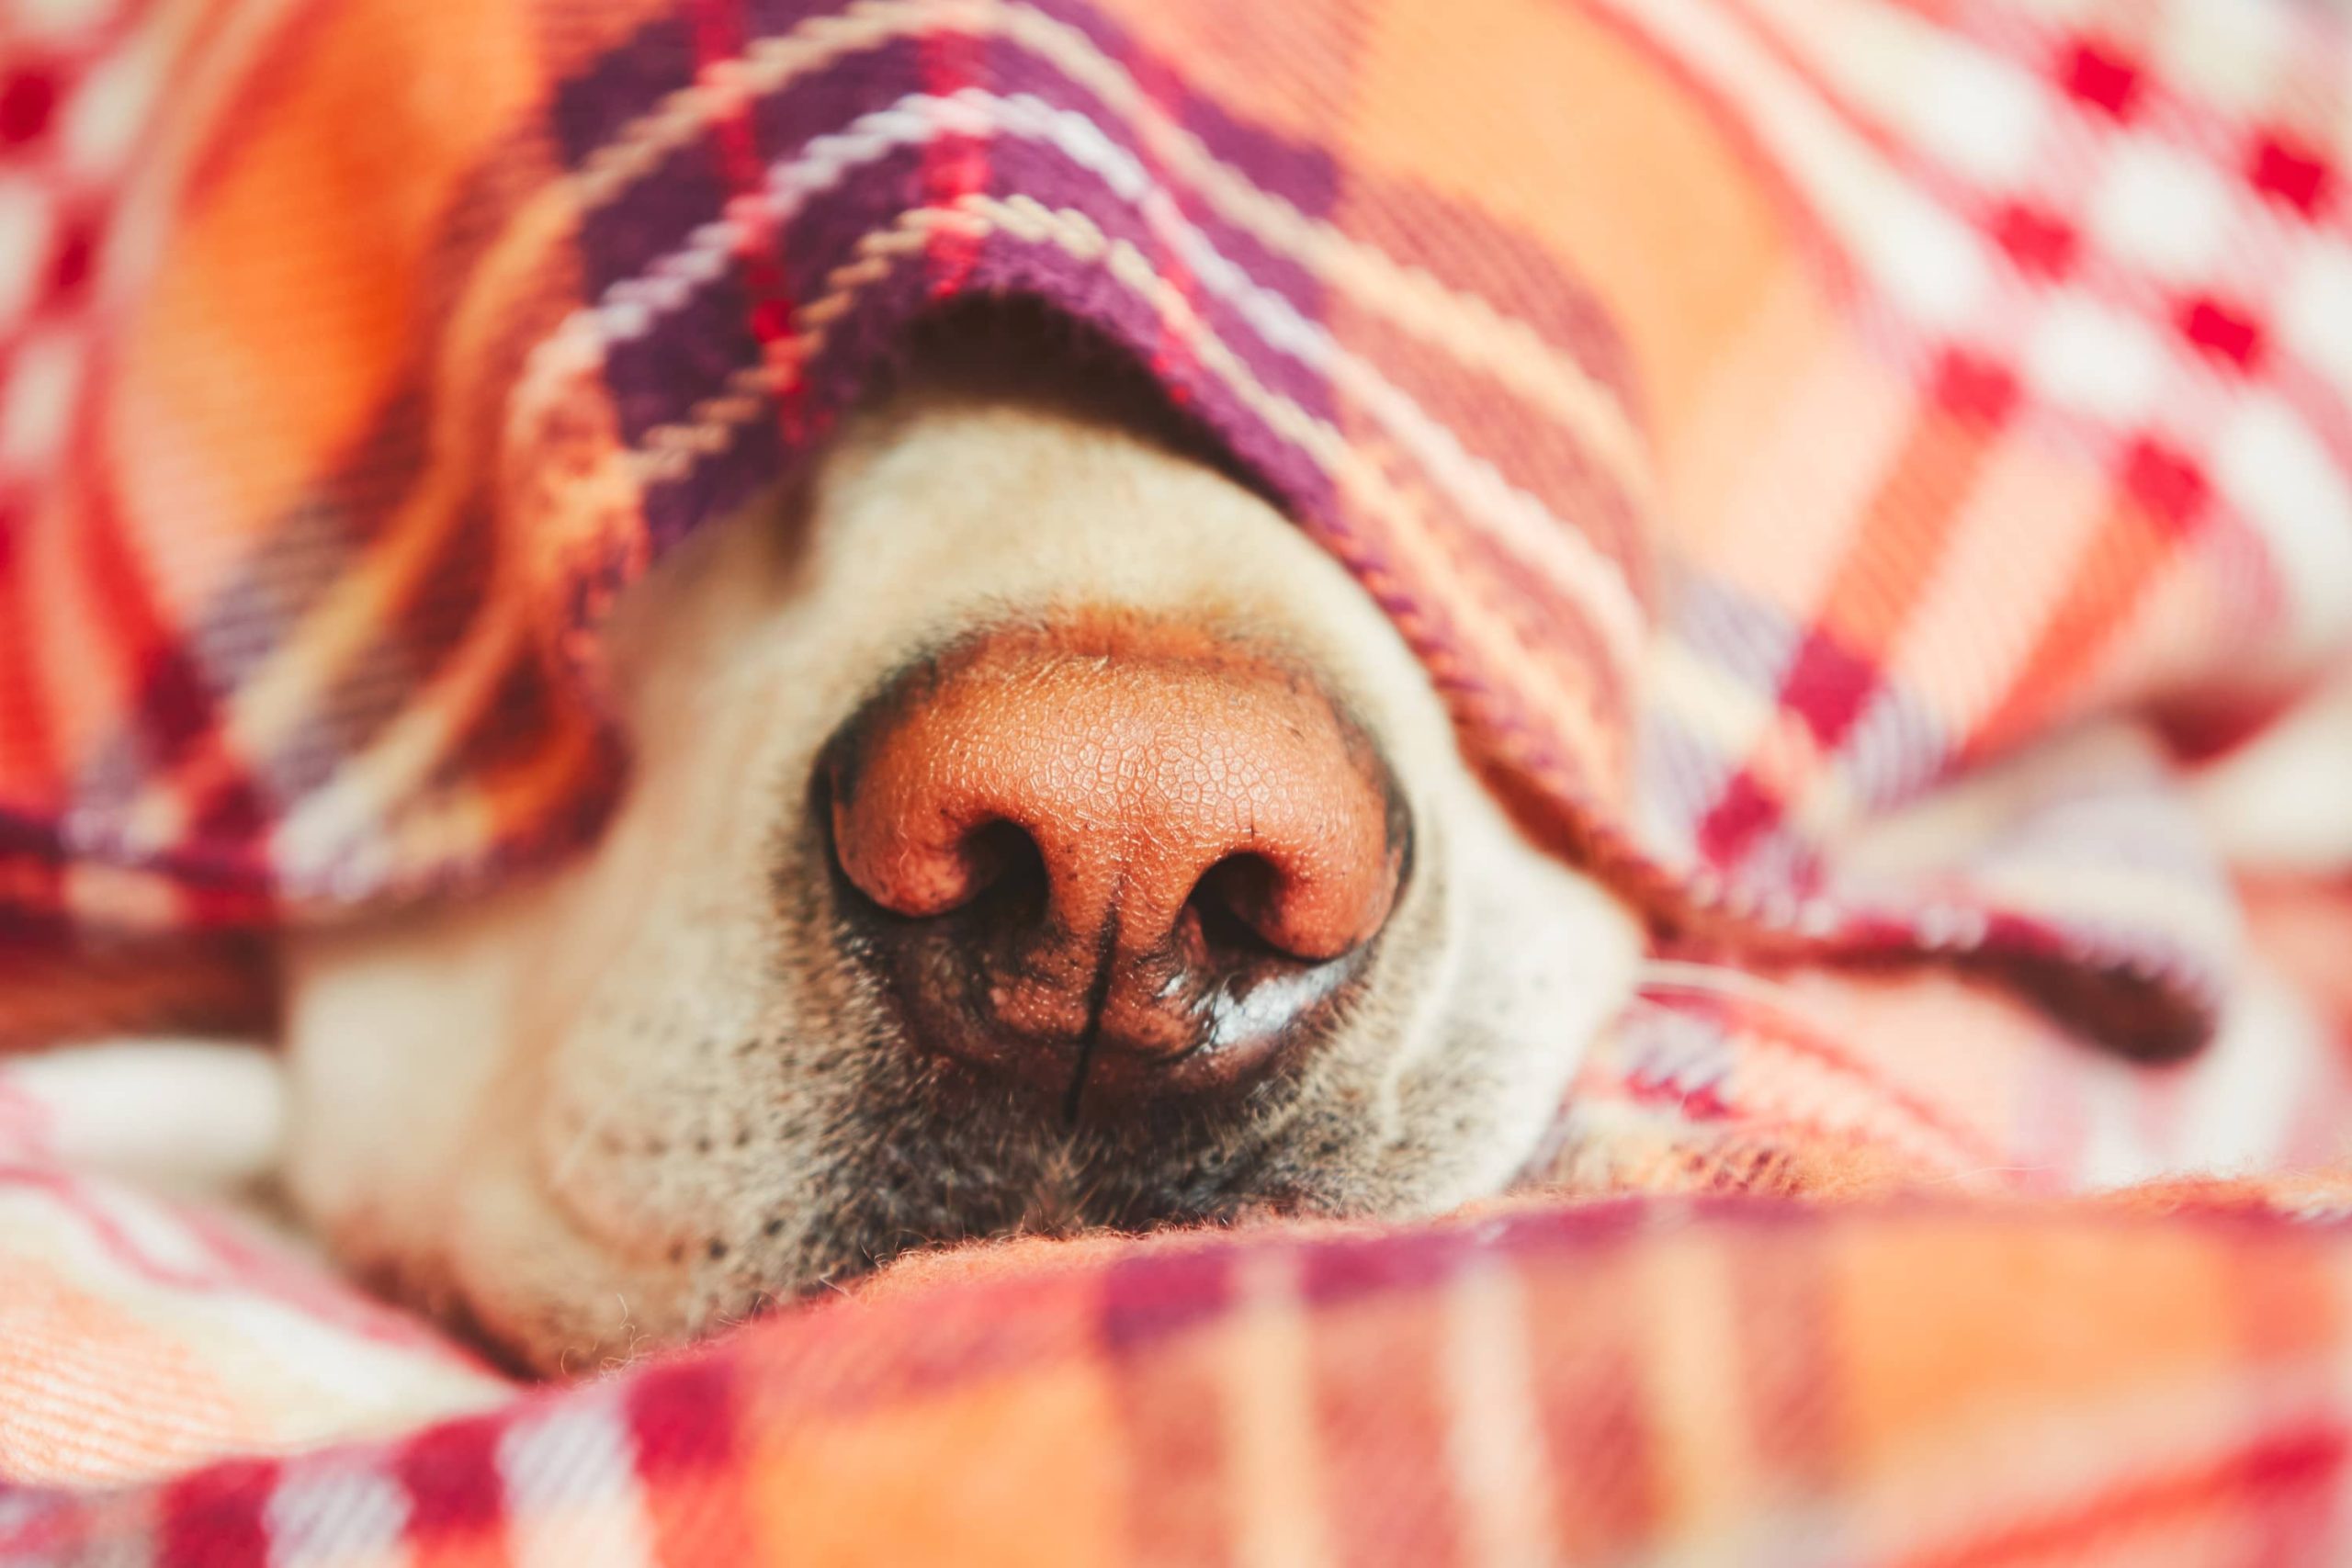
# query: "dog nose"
{"type": "Point", "coordinates": [1127, 859]}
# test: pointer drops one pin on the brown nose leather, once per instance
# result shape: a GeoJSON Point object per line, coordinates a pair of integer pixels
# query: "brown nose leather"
{"type": "Point", "coordinates": [1122, 841]}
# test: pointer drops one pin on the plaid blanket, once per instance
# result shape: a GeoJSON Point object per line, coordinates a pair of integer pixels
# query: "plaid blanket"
{"type": "Point", "coordinates": [1721, 1382]}
{"type": "Point", "coordinates": [1755, 414]}
{"type": "Point", "coordinates": [1842, 461]}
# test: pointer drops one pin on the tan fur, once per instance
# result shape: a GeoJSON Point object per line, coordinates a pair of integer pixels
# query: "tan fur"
{"type": "Point", "coordinates": [630, 1103]}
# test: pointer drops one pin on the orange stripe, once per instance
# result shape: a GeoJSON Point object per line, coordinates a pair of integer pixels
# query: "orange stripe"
{"type": "Point", "coordinates": [2108, 584]}
{"type": "Point", "coordinates": [1877, 584]}
{"type": "Point", "coordinates": [1788, 1356]}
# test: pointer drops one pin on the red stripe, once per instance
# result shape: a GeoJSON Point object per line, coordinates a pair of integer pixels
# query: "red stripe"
{"type": "Point", "coordinates": [682, 1418]}
{"type": "Point", "coordinates": [2267, 1475]}
{"type": "Point", "coordinates": [2222, 330]}
{"type": "Point", "coordinates": [2163, 505]}
{"type": "Point", "coordinates": [452, 1478]}
{"type": "Point", "coordinates": [213, 1518]}
{"type": "Point", "coordinates": [2279, 163]}
{"type": "Point", "coordinates": [1168, 1402]}
{"type": "Point", "coordinates": [685, 1422]}
{"type": "Point", "coordinates": [1892, 556]}
{"type": "Point", "coordinates": [28, 770]}
{"type": "Point", "coordinates": [1376, 1371]}
{"type": "Point", "coordinates": [1589, 1335]}
{"type": "Point", "coordinates": [2284, 1310]}
{"type": "Point", "coordinates": [720, 37]}
{"type": "Point", "coordinates": [178, 721]}
{"type": "Point", "coordinates": [1743, 811]}
{"type": "Point", "coordinates": [2101, 76]}
{"type": "Point", "coordinates": [953, 166]}
{"type": "Point", "coordinates": [1827, 687]}
{"type": "Point", "coordinates": [2289, 170]}
{"type": "Point", "coordinates": [1788, 1354]}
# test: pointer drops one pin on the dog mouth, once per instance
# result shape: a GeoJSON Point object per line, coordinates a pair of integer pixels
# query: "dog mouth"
{"type": "Point", "coordinates": [916, 1149]}
{"type": "Point", "coordinates": [956, 1160]}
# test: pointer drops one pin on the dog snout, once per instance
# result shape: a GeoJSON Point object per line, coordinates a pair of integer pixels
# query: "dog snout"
{"type": "Point", "coordinates": [1118, 860]}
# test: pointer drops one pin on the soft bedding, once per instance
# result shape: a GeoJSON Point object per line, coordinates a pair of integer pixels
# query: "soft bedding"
{"type": "Point", "coordinates": [1852, 468]}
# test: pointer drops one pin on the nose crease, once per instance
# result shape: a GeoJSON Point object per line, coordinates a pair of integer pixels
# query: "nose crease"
{"type": "Point", "coordinates": [1098, 997]}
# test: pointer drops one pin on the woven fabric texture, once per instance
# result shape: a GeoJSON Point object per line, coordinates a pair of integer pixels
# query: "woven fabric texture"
{"type": "Point", "coordinates": [1841, 461]}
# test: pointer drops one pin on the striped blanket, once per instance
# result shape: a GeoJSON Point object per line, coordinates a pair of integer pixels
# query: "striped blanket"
{"type": "Point", "coordinates": [1852, 468]}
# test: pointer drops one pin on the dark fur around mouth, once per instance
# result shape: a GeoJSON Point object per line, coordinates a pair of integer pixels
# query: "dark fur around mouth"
{"type": "Point", "coordinates": [930, 1154]}
{"type": "Point", "coordinates": [921, 1150]}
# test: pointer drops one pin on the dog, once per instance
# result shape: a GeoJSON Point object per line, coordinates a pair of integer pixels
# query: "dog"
{"type": "Point", "coordinates": [1824, 474]}
{"type": "Point", "coordinates": [1033, 830]}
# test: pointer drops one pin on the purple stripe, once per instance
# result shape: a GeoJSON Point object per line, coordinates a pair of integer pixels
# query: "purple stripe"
{"type": "Point", "coordinates": [621, 240]}
{"type": "Point", "coordinates": [828, 100]}
{"type": "Point", "coordinates": [1092, 296]}
{"type": "Point", "coordinates": [592, 107]}
{"type": "Point", "coordinates": [659, 379]}
{"type": "Point", "coordinates": [1308, 177]}
{"type": "Point", "coordinates": [1144, 1300]}
{"type": "Point", "coordinates": [656, 214]}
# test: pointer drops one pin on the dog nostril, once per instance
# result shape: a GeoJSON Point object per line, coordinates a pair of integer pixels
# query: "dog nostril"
{"type": "Point", "coordinates": [1137, 848]}
{"type": "Point", "coordinates": [999, 862]}
{"type": "Point", "coordinates": [1234, 906]}
{"type": "Point", "coordinates": [1006, 858]}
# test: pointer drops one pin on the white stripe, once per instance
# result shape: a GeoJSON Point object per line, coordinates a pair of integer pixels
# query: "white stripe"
{"type": "Point", "coordinates": [573, 1499]}
{"type": "Point", "coordinates": [341, 1513]}
{"type": "Point", "coordinates": [2275, 469]}
{"type": "Point", "coordinates": [2248, 1089]}
{"type": "Point", "coordinates": [1973, 110]}
{"type": "Point", "coordinates": [1269, 1437]}
{"type": "Point", "coordinates": [1494, 1431]}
